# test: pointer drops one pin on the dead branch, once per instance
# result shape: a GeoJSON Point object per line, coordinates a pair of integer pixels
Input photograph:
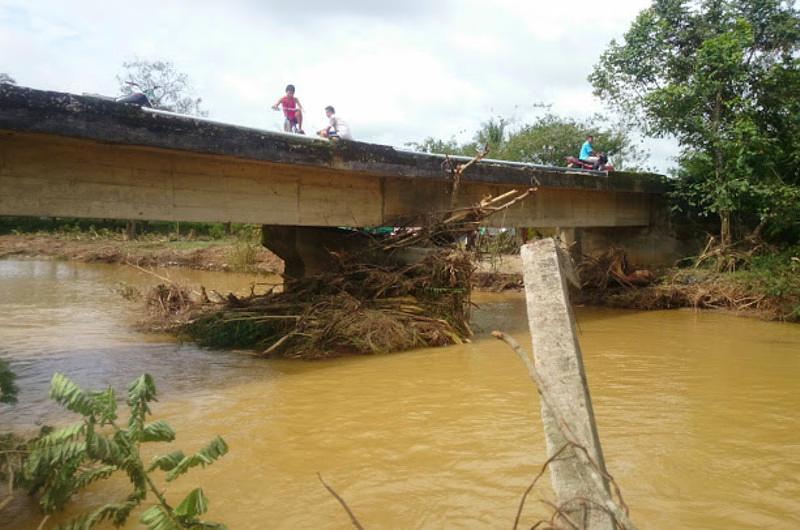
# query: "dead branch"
{"type": "Point", "coordinates": [458, 171]}
{"type": "Point", "coordinates": [353, 518]}
{"type": "Point", "coordinates": [558, 511]}
{"type": "Point", "coordinates": [146, 271]}
{"type": "Point", "coordinates": [533, 483]}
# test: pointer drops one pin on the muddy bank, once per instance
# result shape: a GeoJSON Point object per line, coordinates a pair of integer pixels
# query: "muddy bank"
{"type": "Point", "coordinates": [769, 292]}
{"type": "Point", "coordinates": [699, 289]}
{"type": "Point", "coordinates": [214, 255]}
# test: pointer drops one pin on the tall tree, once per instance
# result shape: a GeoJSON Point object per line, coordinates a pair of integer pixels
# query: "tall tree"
{"type": "Point", "coordinates": [7, 79]}
{"type": "Point", "coordinates": [164, 85]}
{"type": "Point", "coordinates": [723, 77]}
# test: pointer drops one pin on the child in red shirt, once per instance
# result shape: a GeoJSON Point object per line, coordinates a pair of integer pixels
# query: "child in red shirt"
{"type": "Point", "coordinates": [292, 110]}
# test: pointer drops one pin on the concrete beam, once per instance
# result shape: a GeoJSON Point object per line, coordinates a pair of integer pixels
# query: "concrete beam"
{"type": "Point", "coordinates": [559, 366]}
{"type": "Point", "coordinates": [45, 175]}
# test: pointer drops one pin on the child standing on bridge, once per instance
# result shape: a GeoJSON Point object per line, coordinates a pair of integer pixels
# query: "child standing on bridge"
{"type": "Point", "coordinates": [292, 110]}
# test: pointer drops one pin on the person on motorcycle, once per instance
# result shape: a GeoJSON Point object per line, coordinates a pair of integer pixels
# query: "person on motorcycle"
{"type": "Point", "coordinates": [337, 127]}
{"type": "Point", "coordinates": [587, 151]}
{"type": "Point", "coordinates": [292, 110]}
{"type": "Point", "coordinates": [142, 97]}
{"type": "Point", "coordinates": [590, 156]}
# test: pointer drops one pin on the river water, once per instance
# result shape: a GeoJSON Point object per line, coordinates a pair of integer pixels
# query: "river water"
{"type": "Point", "coordinates": [698, 413]}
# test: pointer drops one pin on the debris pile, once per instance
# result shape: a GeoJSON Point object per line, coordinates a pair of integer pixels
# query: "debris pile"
{"type": "Point", "coordinates": [357, 308]}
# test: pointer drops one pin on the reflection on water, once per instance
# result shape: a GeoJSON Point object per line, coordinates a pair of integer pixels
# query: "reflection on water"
{"type": "Point", "coordinates": [698, 413]}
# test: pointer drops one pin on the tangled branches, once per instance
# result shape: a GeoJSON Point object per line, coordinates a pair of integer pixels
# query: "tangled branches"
{"type": "Point", "coordinates": [357, 308]}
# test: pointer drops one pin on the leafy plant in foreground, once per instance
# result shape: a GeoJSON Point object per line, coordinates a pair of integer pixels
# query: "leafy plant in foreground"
{"type": "Point", "coordinates": [72, 457]}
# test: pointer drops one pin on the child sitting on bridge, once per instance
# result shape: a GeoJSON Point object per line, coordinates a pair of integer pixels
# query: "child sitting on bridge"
{"type": "Point", "coordinates": [292, 110]}
{"type": "Point", "coordinates": [337, 128]}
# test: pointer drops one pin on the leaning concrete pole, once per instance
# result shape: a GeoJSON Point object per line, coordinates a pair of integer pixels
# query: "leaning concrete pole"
{"type": "Point", "coordinates": [559, 366]}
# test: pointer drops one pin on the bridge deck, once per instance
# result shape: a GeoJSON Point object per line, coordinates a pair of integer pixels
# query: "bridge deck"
{"type": "Point", "coordinates": [68, 155]}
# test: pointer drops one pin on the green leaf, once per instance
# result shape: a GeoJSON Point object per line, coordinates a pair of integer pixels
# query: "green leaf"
{"type": "Point", "coordinates": [157, 431]}
{"type": "Point", "coordinates": [88, 476]}
{"type": "Point", "coordinates": [205, 456]}
{"type": "Point", "coordinates": [64, 392]}
{"type": "Point", "coordinates": [106, 450]}
{"type": "Point", "coordinates": [193, 505]}
{"type": "Point", "coordinates": [140, 393]}
{"type": "Point", "coordinates": [115, 512]}
{"type": "Point", "coordinates": [105, 405]}
{"type": "Point", "coordinates": [61, 435]}
{"type": "Point", "coordinates": [63, 453]}
{"type": "Point", "coordinates": [157, 518]}
{"type": "Point", "coordinates": [142, 390]}
{"type": "Point", "coordinates": [167, 462]}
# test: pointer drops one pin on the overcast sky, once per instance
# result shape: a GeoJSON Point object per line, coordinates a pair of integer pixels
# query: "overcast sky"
{"type": "Point", "coordinates": [396, 71]}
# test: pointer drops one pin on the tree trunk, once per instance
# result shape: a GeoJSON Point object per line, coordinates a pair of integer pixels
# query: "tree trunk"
{"type": "Point", "coordinates": [725, 213]}
{"type": "Point", "coordinates": [725, 227]}
{"type": "Point", "coordinates": [130, 230]}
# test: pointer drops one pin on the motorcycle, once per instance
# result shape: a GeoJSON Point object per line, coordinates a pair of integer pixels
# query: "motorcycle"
{"type": "Point", "coordinates": [601, 165]}
{"type": "Point", "coordinates": [138, 97]}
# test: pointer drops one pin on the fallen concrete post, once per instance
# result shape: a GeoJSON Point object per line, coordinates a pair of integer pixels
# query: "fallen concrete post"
{"type": "Point", "coordinates": [562, 381]}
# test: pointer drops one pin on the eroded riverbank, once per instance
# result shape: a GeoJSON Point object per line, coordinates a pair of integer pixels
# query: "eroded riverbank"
{"type": "Point", "coordinates": [228, 254]}
{"type": "Point", "coordinates": [697, 412]}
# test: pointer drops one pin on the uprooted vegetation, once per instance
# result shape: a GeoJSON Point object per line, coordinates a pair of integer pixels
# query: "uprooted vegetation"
{"type": "Point", "coordinates": [747, 278]}
{"type": "Point", "coordinates": [356, 308]}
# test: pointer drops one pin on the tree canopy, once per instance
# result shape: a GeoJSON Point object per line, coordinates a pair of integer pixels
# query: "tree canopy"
{"type": "Point", "coordinates": [165, 86]}
{"type": "Point", "coordinates": [547, 140]}
{"type": "Point", "coordinates": [7, 79]}
{"type": "Point", "coordinates": [723, 77]}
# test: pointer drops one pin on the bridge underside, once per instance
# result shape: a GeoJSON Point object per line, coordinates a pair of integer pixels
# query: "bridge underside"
{"type": "Point", "coordinates": [57, 176]}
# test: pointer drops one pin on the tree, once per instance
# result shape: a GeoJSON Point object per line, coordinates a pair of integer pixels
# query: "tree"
{"type": "Point", "coordinates": [166, 87]}
{"type": "Point", "coordinates": [492, 134]}
{"type": "Point", "coordinates": [722, 76]}
{"type": "Point", "coordinates": [552, 138]}
{"type": "Point", "coordinates": [548, 140]}
{"type": "Point", "coordinates": [7, 79]}
{"type": "Point", "coordinates": [445, 147]}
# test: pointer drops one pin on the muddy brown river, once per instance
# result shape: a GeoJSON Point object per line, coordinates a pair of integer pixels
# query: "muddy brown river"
{"type": "Point", "coordinates": [698, 413]}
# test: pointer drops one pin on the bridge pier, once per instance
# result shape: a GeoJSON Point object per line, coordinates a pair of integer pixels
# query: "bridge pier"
{"type": "Point", "coordinates": [645, 246]}
{"type": "Point", "coordinates": [308, 250]}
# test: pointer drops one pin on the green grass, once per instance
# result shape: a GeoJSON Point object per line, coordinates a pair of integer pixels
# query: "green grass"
{"type": "Point", "coordinates": [776, 275]}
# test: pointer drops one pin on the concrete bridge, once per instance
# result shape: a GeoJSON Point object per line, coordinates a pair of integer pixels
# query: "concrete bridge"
{"type": "Point", "coordinates": [63, 155]}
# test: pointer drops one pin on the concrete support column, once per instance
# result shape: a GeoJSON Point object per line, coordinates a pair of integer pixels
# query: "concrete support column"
{"type": "Point", "coordinates": [559, 365]}
{"type": "Point", "coordinates": [571, 237]}
{"type": "Point", "coordinates": [306, 250]}
{"type": "Point", "coordinates": [282, 240]}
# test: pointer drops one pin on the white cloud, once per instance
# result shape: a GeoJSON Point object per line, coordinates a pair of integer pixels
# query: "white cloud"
{"type": "Point", "coordinates": [397, 72]}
